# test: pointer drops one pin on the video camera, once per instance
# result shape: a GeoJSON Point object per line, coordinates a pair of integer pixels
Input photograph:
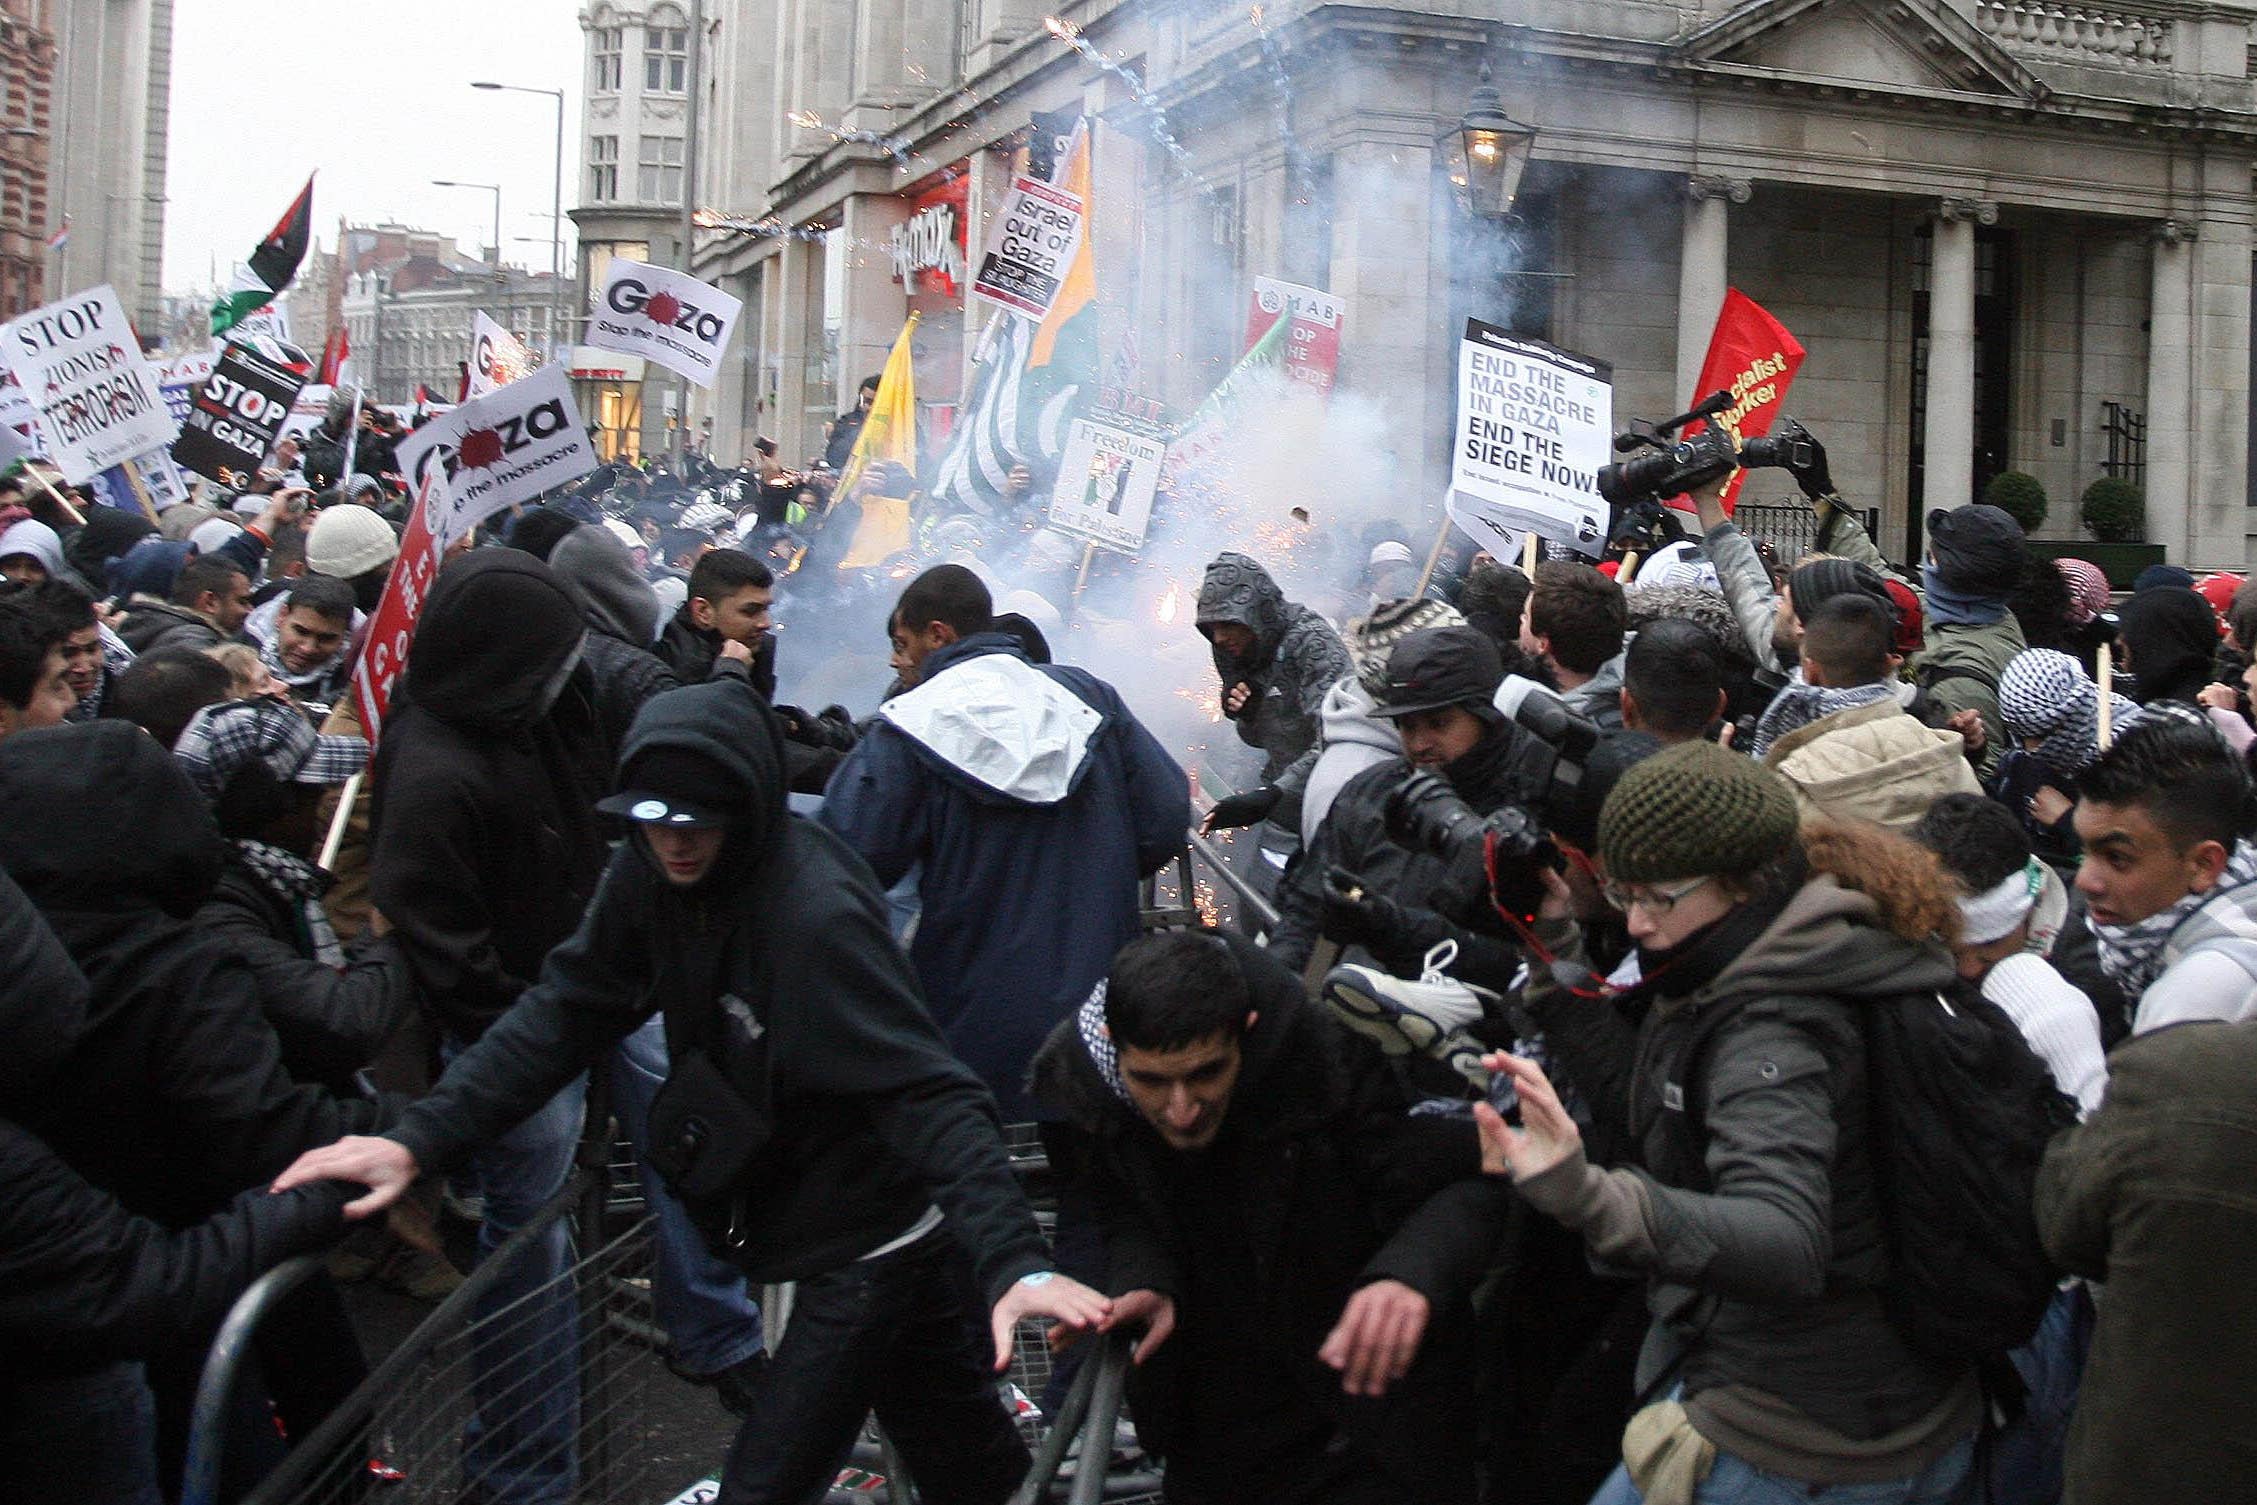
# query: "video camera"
{"type": "Point", "coordinates": [1425, 814]}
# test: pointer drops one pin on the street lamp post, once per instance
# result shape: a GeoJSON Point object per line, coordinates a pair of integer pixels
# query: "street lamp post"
{"type": "Point", "coordinates": [558, 317]}
{"type": "Point", "coordinates": [496, 190]}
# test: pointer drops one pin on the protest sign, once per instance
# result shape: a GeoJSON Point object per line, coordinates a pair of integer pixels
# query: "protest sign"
{"type": "Point", "coordinates": [306, 412]}
{"type": "Point", "coordinates": [1535, 423]}
{"type": "Point", "coordinates": [80, 363]}
{"type": "Point", "coordinates": [1752, 356]}
{"type": "Point", "coordinates": [17, 415]}
{"type": "Point", "coordinates": [670, 317]}
{"type": "Point", "coordinates": [495, 451]}
{"type": "Point", "coordinates": [237, 415]}
{"type": "Point", "coordinates": [146, 483]}
{"type": "Point", "coordinates": [384, 652]}
{"type": "Point", "coordinates": [1033, 245]}
{"type": "Point", "coordinates": [1106, 480]}
{"type": "Point", "coordinates": [497, 357]}
{"type": "Point", "coordinates": [1312, 347]}
{"type": "Point", "coordinates": [181, 378]}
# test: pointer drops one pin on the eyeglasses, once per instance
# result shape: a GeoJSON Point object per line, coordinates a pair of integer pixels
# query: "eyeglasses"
{"type": "Point", "coordinates": [1656, 902]}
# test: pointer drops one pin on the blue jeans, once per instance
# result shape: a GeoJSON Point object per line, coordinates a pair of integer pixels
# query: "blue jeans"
{"type": "Point", "coordinates": [521, 1444]}
{"type": "Point", "coordinates": [2026, 1460]}
{"type": "Point", "coordinates": [1735, 1481]}
{"type": "Point", "coordinates": [711, 1321]}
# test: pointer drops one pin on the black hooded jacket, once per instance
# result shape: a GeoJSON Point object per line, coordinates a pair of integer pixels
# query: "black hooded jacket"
{"type": "Point", "coordinates": [486, 842]}
{"type": "Point", "coordinates": [780, 966]}
{"type": "Point", "coordinates": [622, 614]}
{"type": "Point", "coordinates": [1320, 1182]}
{"type": "Point", "coordinates": [174, 1097]}
{"type": "Point", "coordinates": [83, 1281]}
{"type": "Point", "coordinates": [2172, 635]}
{"type": "Point", "coordinates": [1296, 658]}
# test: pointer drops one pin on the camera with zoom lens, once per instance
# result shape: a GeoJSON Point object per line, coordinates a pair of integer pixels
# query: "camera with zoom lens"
{"type": "Point", "coordinates": [1424, 813]}
{"type": "Point", "coordinates": [1789, 446]}
{"type": "Point", "coordinates": [1671, 469]}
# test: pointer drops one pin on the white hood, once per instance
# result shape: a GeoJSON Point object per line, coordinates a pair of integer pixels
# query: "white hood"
{"type": "Point", "coordinates": [1002, 723]}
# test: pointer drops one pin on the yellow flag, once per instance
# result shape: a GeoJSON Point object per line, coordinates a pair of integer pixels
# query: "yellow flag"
{"type": "Point", "coordinates": [890, 432]}
{"type": "Point", "coordinates": [883, 532]}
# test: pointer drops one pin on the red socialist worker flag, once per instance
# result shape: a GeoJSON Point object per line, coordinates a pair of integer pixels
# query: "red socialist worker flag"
{"type": "Point", "coordinates": [1753, 357]}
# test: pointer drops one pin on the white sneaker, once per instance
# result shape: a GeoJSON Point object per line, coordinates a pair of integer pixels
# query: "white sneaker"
{"type": "Point", "coordinates": [1428, 1017]}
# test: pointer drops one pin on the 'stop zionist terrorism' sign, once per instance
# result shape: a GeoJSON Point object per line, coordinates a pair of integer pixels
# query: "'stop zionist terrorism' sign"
{"type": "Point", "coordinates": [81, 366]}
{"type": "Point", "coordinates": [1031, 249]}
{"type": "Point", "coordinates": [668, 316]}
{"type": "Point", "coordinates": [1535, 423]}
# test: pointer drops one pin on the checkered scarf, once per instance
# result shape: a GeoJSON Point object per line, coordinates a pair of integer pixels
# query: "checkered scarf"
{"type": "Point", "coordinates": [224, 739]}
{"type": "Point", "coordinates": [1099, 1042]}
{"type": "Point", "coordinates": [1798, 705]}
{"type": "Point", "coordinates": [2132, 955]}
{"type": "Point", "coordinates": [300, 884]}
{"type": "Point", "coordinates": [2045, 696]}
{"type": "Point", "coordinates": [270, 654]}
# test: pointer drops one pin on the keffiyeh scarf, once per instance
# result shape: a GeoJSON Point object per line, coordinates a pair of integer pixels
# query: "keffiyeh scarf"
{"type": "Point", "coordinates": [1798, 705]}
{"type": "Point", "coordinates": [2045, 695]}
{"type": "Point", "coordinates": [1099, 1041]}
{"type": "Point", "coordinates": [301, 884]}
{"type": "Point", "coordinates": [2132, 955]}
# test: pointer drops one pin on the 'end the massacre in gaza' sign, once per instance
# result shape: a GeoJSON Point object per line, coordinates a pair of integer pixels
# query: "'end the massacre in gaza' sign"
{"type": "Point", "coordinates": [1535, 423]}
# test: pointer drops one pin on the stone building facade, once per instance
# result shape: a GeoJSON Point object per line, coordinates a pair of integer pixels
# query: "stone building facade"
{"type": "Point", "coordinates": [634, 128]}
{"type": "Point", "coordinates": [27, 78]}
{"type": "Point", "coordinates": [107, 149]}
{"type": "Point", "coordinates": [2012, 234]}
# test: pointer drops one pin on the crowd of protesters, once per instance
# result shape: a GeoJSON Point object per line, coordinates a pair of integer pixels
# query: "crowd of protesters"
{"type": "Point", "coordinates": [1702, 1032]}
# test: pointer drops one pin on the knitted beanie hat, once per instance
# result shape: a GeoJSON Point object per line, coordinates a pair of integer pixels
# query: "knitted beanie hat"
{"type": "Point", "coordinates": [1821, 580]}
{"type": "Point", "coordinates": [348, 540]}
{"type": "Point", "coordinates": [1371, 639]}
{"type": "Point", "coordinates": [1695, 811]}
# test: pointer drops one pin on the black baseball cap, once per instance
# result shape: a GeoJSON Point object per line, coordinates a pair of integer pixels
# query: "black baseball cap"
{"type": "Point", "coordinates": [671, 786]}
{"type": "Point", "coordinates": [1442, 666]}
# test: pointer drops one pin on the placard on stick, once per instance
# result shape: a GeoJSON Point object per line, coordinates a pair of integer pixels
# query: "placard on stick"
{"type": "Point", "coordinates": [1535, 423]}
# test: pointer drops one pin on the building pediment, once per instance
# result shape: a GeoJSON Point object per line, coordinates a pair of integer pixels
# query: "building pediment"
{"type": "Point", "coordinates": [1913, 46]}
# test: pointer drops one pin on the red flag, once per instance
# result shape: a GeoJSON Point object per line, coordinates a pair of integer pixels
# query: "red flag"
{"type": "Point", "coordinates": [1753, 357]}
{"type": "Point", "coordinates": [333, 357]}
{"type": "Point", "coordinates": [384, 652]}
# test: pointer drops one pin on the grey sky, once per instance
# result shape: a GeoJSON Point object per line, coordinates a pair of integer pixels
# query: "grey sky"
{"type": "Point", "coordinates": [377, 100]}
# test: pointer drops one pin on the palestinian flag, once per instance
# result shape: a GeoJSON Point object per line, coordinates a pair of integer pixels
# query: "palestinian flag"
{"type": "Point", "coordinates": [273, 263]}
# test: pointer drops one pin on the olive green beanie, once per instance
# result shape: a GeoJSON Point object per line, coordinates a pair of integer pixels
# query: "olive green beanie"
{"type": "Point", "coordinates": [1695, 811]}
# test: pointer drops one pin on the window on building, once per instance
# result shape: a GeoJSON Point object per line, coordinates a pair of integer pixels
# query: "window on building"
{"type": "Point", "coordinates": [603, 169]}
{"type": "Point", "coordinates": [610, 46]}
{"type": "Point", "coordinates": [666, 53]}
{"type": "Point", "coordinates": [661, 179]}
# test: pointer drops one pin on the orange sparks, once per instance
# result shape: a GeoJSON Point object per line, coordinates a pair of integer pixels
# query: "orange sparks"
{"type": "Point", "coordinates": [1063, 30]}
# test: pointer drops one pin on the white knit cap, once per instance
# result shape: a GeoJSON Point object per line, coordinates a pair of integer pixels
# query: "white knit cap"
{"type": "Point", "coordinates": [348, 540]}
{"type": "Point", "coordinates": [1993, 914]}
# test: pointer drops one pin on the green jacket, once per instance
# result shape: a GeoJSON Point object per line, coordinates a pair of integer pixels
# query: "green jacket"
{"type": "Point", "coordinates": [2152, 1196]}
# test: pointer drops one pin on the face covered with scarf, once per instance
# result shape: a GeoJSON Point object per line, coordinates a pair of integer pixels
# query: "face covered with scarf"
{"type": "Point", "coordinates": [2052, 709]}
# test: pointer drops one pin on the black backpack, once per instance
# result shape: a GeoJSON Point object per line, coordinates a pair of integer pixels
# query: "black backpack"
{"type": "Point", "coordinates": [1959, 1112]}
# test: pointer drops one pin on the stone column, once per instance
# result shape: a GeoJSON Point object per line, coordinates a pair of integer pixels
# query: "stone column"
{"type": "Point", "coordinates": [1702, 276]}
{"type": "Point", "coordinates": [787, 292]}
{"type": "Point", "coordinates": [1949, 438]}
{"type": "Point", "coordinates": [2170, 389]}
{"type": "Point", "coordinates": [2218, 444]}
{"type": "Point", "coordinates": [875, 303]}
{"type": "Point", "coordinates": [1386, 264]}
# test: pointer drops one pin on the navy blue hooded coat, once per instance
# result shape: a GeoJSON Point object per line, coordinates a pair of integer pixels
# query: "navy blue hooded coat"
{"type": "Point", "coordinates": [1036, 803]}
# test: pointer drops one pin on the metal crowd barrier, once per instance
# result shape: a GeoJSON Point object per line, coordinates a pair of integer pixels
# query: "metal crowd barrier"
{"type": "Point", "coordinates": [401, 1430]}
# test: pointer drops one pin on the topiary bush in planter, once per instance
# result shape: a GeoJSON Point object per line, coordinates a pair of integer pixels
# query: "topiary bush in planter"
{"type": "Point", "coordinates": [2020, 496]}
{"type": "Point", "coordinates": [2114, 510]}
